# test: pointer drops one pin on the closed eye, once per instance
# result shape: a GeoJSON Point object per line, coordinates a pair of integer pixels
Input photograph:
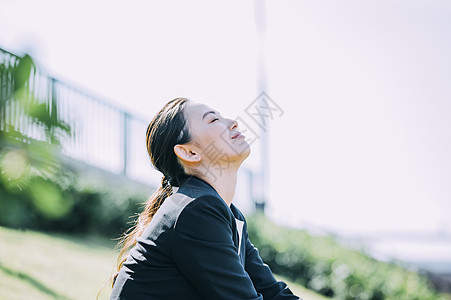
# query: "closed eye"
{"type": "Point", "coordinates": [214, 120]}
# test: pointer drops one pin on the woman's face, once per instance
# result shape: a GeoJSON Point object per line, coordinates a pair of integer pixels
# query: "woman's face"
{"type": "Point", "coordinates": [214, 137]}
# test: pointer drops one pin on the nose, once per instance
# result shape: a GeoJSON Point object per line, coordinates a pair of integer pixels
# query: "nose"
{"type": "Point", "coordinates": [234, 124]}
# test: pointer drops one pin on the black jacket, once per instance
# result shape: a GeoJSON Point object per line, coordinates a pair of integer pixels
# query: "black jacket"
{"type": "Point", "coordinates": [197, 247]}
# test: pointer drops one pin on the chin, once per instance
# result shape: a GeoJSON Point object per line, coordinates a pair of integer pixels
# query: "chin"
{"type": "Point", "coordinates": [245, 153]}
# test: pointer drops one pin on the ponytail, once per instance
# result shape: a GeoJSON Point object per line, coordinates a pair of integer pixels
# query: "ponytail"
{"type": "Point", "coordinates": [128, 239]}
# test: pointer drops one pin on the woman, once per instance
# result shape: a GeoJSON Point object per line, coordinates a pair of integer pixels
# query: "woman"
{"type": "Point", "coordinates": [193, 244]}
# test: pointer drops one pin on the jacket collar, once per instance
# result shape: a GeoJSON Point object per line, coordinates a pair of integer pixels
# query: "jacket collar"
{"type": "Point", "coordinates": [194, 187]}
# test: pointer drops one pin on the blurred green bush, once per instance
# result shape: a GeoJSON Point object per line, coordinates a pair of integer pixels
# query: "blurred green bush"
{"type": "Point", "coordinates": [51, 206]}
{"type": "Point", "coordinates": [30, 170]}
{"type": "Point", "coordinates": [81, 210]}
{"type": "Point", "coordinates": [322, 264]}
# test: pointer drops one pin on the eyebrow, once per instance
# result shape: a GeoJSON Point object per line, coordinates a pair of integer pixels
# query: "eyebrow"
{"type": "Point", "coordinates": [208, 112]}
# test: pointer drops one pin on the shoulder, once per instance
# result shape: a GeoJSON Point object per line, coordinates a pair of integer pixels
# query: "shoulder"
{"type": "Point", "coordinates": [204, 208]}
{"type": "Point", "coordinates": [206, 218]}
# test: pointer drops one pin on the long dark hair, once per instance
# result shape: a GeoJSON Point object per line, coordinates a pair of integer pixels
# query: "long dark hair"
{"type": "Point", "coordinates": [168, 128]}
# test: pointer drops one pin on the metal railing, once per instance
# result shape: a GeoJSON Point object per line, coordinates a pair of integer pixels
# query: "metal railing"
{"type": "Point", "coordinates": [104, 135]}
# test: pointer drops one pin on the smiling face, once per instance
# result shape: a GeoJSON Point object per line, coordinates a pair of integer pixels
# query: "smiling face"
{"type": "Point", "coordinates": [214, 139]}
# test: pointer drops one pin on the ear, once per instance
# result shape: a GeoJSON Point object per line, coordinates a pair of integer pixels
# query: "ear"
{"type": "Point", "coordinates": [185, 153]}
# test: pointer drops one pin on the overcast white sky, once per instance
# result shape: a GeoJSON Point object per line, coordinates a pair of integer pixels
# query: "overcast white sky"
{"type": "Point", "coordinates": [364, 142]}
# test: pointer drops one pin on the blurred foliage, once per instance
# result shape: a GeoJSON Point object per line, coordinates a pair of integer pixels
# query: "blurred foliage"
{"type": "Point", "coordinates": [70, 208]}
{"type": "Point", "coordinates": [31, 176]}
{"type": "Point", "coordinates": [323, 265]}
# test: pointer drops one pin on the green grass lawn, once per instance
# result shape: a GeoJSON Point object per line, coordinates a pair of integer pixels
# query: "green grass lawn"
{"type": "Point", "coordinates": [36, 266]}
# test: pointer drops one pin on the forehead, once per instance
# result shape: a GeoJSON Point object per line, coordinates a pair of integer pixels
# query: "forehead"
{"type": "Point", "coordinates": [195, 110]}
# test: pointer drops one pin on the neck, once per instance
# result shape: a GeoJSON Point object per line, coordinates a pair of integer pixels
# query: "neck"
{"type": "Point", "coordinates": [223, 181]}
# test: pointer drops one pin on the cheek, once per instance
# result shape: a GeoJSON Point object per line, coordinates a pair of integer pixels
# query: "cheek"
{"type": "Point", "coordinates": [215, 138]}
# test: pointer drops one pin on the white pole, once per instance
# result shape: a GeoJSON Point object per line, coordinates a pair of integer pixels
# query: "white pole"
{"type": "Point", "coordinates": [262, 186]}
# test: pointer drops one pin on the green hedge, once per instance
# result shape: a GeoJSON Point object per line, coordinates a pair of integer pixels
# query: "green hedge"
{"type": "Point", "coordinates": [322, 264]}
{"type": "Point", "coordinates": [54, 207]}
